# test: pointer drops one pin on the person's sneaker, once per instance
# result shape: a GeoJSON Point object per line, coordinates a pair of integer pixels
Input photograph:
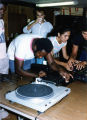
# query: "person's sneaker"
{"type": "Point", "coordinates": [3, 114]}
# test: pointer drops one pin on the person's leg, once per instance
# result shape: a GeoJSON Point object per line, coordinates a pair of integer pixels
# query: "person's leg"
{"type": "Point", "coordinates": [12, 66]}
{"type": "Point", "coordinates": [3, 114]}
{"type": "Point", "coordinates": [4, 66]}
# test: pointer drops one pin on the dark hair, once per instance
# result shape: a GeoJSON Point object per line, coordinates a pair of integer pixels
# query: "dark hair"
{"type": "Point", "coordinates": [60, 29]}
{"type": "Point", "coordinates": [39, 9]}
{"type": "Point", "coordinates": [43, 44]}
{"type": "Point", "coordinates": [84, 27]}
{"type": "Point", "coordinates": [35, 11]}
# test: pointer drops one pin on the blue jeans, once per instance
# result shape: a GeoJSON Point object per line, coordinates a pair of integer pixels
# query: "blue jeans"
{"type": "Point", "coordinates": [26, 66]}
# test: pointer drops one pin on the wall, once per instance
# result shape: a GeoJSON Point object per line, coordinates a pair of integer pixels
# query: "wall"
{"type": "Point", "coordinates": [16, 18]}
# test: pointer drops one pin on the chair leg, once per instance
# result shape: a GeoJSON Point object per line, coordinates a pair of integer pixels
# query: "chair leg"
{"type": "Point", "coordinates": [20, 118]}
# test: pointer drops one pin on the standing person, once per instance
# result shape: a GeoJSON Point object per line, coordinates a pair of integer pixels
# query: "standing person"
{"type": "Point", "coordinates": [79, 49]}
{"type": "Point", "coordinates": [4, 66]}
{"type": "Point", "coordinates": [39, 26]}
{"type": "Point", "coordinates": [26, 48]}
{"type": "Point", "coordinates": [59, 38]}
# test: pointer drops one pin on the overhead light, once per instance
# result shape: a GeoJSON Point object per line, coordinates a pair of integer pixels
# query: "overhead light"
{"type": "Point", "coordinates": [57, 4]}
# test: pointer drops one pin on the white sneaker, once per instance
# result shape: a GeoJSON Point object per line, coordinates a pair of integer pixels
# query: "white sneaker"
{"type": "Point", "coordinates": [3, 114]}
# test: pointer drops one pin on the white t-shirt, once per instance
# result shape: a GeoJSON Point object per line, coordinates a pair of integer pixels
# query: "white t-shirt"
{"type": "Point", "coordinates": [56, 46]}
{"type": "Point", "coordinates": [39, 29]}
{"type": "Point", "coordinates": [21, 47]}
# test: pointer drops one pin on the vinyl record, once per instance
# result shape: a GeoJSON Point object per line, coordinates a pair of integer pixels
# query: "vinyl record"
{"type": "Point", "coordinates": [34, 91]}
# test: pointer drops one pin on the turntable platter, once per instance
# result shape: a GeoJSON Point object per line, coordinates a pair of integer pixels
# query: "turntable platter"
{"type": "Point", "coordinates": [34, 90]}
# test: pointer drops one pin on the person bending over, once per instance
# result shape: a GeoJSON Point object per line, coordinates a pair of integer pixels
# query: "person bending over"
{"type": "Point", "coordinates": [23, 50]}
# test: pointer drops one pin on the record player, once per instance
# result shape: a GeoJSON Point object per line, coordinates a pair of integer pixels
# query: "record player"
{"type": "Point", "coordinates": [38, 95]}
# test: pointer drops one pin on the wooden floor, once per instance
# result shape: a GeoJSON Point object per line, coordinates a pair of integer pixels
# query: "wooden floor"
{"type": "Point", "coordinates": [11, 116]}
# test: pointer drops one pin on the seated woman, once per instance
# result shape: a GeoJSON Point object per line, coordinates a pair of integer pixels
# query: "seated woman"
{"type": "Point", "coordinates": [59, 37]}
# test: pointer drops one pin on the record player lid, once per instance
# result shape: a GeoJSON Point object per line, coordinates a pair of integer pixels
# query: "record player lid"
{"type": "Point", "coordinates": [33, 91]}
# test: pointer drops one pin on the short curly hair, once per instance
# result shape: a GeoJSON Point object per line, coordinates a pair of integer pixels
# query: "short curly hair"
{"type": "Point", "coordinates": [43, 44]}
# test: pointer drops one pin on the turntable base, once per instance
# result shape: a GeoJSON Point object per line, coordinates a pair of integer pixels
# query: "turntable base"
{"type": "Point", "coordinates": [40, 104]}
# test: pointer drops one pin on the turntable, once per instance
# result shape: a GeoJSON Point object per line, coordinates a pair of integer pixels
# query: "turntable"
{"type": "Point", "coordinates": [38, 95]}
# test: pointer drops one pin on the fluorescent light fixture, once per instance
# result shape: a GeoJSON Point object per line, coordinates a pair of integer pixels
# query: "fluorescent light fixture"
{"type": "Point", "coordinates": [56, 4]}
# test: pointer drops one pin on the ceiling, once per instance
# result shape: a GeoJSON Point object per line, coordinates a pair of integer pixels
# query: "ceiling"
{"type": "Point", "coordinates": [81, 3]}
